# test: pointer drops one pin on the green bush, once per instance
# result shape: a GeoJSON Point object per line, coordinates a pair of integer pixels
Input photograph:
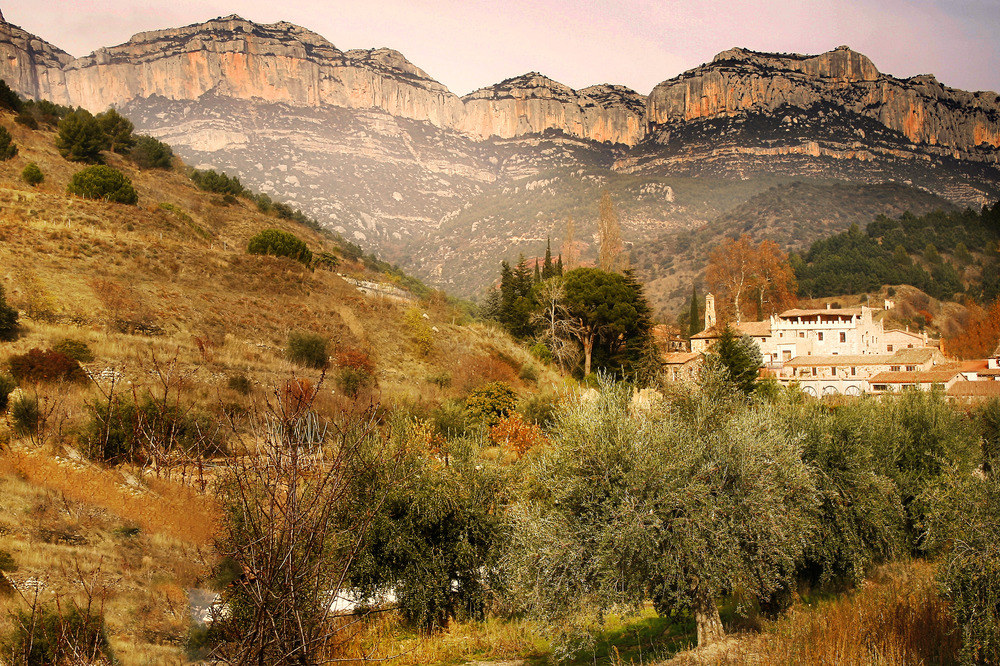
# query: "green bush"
{"type": "Point", "coordinates": [541, 409]}
{"type": "Point", "coordinates": [491, 402]}
{"type": "Point", "coordinates": [7, 386]}
{"type": "Point", "coordinates": [307, 349]}
{"type": "Point", "coordinates": [8, 319]}
{"type": "Point", "coordinates": [541, 351]}
{"type": "Point", "coordinates": [8, 149]}
{"type": "Point", "coordinates": [7, 563]}
{"type": "Point", "coordinates": [529, 372]}
{"type": "Point", "coordinates": [451, 419]}
{"type": "Point", "coordinates": [9, 99]}
{"type": "Point", "coordinates": [27, 119]}
{"type": "Point", "coordinates": [59, 635]}
{"type": "Point", "coordinates": [103, 182]}
{"type": "Point", "coordinates": [280, 243]}
{"type": "Point", "coordinates": [241, 384]}
{"type": "Point", "coordinates": [32, 175]}
{"type": "Point", "coordinates": [220, 183]}
{"type": "Point", "coordinates": [149, 153]}
{"type": "Point", "coordinates": [75, 349]}
{"type": "Point", "coordinates": [118, 131]}
{"type": "Point", "coordinates": [80, 138]}
{"type": "Point", "coordinates": [25, 415]}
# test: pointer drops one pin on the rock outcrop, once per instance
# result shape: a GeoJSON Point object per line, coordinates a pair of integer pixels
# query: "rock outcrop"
{"type": "Point", "coordinates": [532, 103]}
{"type": "Point", "coordinates": [740, 81]}
{"type": "Point", "coordinates": [289, 64]}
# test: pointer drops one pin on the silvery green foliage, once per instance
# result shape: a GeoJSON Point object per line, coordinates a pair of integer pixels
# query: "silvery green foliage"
{"type": "Point", "coordinates": [703, 495]}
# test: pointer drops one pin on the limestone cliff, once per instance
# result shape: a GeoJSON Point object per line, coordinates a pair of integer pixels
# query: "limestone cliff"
{"type": "Point", "coordinates": [30, 65]}
{"type": "Point", "coordinates": [532, 103]}
{"type": "Point", "coordinates": [284, 63]}
{"type": "Point", "coordinates": [740, 81]}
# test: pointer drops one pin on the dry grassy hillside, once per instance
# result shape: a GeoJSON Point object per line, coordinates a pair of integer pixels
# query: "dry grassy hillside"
{"type": "Point", "coordinates": [168, 284]}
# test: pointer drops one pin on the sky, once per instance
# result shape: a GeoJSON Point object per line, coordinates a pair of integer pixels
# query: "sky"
{"type": "Point", "coordinates": [468, 44]}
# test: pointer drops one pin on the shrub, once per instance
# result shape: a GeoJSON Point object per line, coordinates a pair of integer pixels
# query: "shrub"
{"type": "Point", "coordinates": [420, 332]}
{"type": "Point", "coordinates": [8, 319]}
{"type": "Point", "coordinates": [220, 183]}
{"type": "Point", "coordinates": [55, 635]}
{"type": "Point", "coordinates": [8, 149]}
{"type": "Point", "coordinates": [80, 137]}
{"type": "Point", "coordinates": [541, 409]}
{"type": "Point", "coordinates": [9, 99]}
{"type": "Point", "coordinates": [45, 366]}
{"type": "Point", "coordinates": [541, 351]}
{"type": "Point", "coordinates": [241, 384]}
{"type": "Point", "coordinates": [326, 261]}
{"type": "Point", "coordinates": [440, 379]}
{"type": "Point", "coordinates": [280, 244]}
{"type": "Point", "coordinates": [124, 430]}
{"type": "Point", "coordinates": [25, 414]}
{"type": "Point", "coordinates": [149, 153]}
{"type": "Point", "coordinates": [27, 119]}
{"type": "Point", "coordinates": [32, 175]}
{"type": "Point", "coordinates": [7, 563]}
{"type": "Point", "coordinates": [516, 434]}
{"type": "Point", "coordinates": [7, 386]}
{"type": "Point", "coordinates": [117, 131]}
{"type": "Point", "coordinates": [75, 349]}
{"type": "Point", "coordinates": [529, 372]}
{"type": "Point", "coordinates": [357, 371]}
{"type": "Point", "coordinates": [103, 182]}
{"type": "Point", "coordinates": [491, 402]}
{"type": "Point", "coordinates": [450, 419]}
{"type": "Point", "coordinates": [307, 349]}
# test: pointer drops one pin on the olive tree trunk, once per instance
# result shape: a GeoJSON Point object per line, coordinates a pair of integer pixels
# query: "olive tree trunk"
{"type": "Point", "coordinates": [706, 615]}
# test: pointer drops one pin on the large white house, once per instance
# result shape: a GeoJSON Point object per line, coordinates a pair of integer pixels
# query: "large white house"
{"type": "Point", "coordinates": [793, 333]}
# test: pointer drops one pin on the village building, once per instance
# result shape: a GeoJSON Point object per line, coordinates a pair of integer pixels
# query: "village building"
{"type": "Point", "coordinates": [855, 374]}
{"type": "Point", "coordinates": [896, 339]}
{"type": "Point", "coordinates": [680, 366]}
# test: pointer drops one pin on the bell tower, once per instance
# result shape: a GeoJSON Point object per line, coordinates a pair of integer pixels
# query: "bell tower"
{"type": "Point", "coordinates": [709, 311]}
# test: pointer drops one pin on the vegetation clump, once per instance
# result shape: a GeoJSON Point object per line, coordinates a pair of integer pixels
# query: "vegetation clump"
{"type": "Point", "coordinates": [220, 183]}
{"type": "Point", "coordinates": [52, 634]}
{"type": "Point", "coordinates": [8, 318]}
{"type": "Point", "coordinates": [118, 131]}
{"type": "Point", "coordinates": [80, 137]}
{"type": "Point", "coordinates": [32, 175]}
{"type": "Point", "coordinates": [149, 153]}
{"type": "Point", "coordinates": [280, 243]}
{"type": "Point", "coordinates": [45, 366]}
{"type": "Point", "coordinates": [75, 349]}
{"type": "Point", "coordinates": [103, 182]}
{"type": "Point", "coordinates": [491, 402]}
{"type": "Point", "coordinates": [308, 350]}
{"type": "Point", "coordinates": [8, 149]}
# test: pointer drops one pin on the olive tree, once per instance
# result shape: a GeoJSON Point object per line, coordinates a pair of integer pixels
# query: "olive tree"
{"type": "Point", "coordinates": [682, 504]}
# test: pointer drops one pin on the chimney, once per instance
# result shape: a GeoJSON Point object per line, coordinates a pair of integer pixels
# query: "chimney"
{"type": "Point", "coordinates": [709, 311]}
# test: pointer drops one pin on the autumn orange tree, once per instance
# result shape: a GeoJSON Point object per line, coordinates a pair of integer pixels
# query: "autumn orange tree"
{"type": "Point", "coordinates": [981, 334]}
{"type": "Point", "coordinates": [750, 279]}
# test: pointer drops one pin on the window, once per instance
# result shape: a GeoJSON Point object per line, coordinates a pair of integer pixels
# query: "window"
{"type": "Point", "coordinates": [854, 371]}
{"type": "Point", "coordinates": [814, 372]}
{"type": "Point", "coordinates": [786, 354]}
{"type": "Point", "coordinates": [880, 387]}
{"type": "Point", "coordinates": [911, 368]}
{"type": "Point", "coordinates": [819, 336]}
{"type": "Point", "coordinates": [843, 336]}
{"type": "Point", "coordinates": [888, 347]}
{"type": "Point", "coordinates": [894, 368]}
{"type": "Point", "coordinates": [802, 334]}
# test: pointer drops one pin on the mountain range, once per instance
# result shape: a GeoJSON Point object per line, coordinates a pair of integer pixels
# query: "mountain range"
{"type": "Point", "coordinates": [446, 186]}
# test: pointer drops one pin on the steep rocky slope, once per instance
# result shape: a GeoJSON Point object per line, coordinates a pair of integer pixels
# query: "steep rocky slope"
{"type": "Point", "coordinates": [371, 145]}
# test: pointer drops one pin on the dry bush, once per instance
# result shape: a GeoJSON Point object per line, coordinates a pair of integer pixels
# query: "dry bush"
{"type": "Point", "coordinates": [474, 371]}
{"type": "Point", "coordinates": [514, 433]}
{"type": "Point", "coordinates": [896, 619]}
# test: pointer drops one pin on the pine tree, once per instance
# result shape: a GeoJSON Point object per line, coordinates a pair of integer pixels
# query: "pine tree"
{"type": "Point", "coordinates": [694, 323]}
{"type": "Point", "coordinates": [522, 278]}
{"type": "Point", "coordinates": [119, 131]}
{"type": "Point", "coordinates": [80, 137]}
{"type": "Point", "coordinates": [538, 273]}
{"type": "Point", "coordinates": [8, 148]}
{"type": "Point", "coordinates": [547, 269]}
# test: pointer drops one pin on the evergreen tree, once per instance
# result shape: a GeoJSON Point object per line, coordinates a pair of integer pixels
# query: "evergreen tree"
{"type": "Point", "coordinates": [9, 99]}
{"type": "Point", "coordinates": [538, 273]}
{"type": "Point", "coordinates": [548, 270]}
{"type": "Point", "coordinates": [694, 322]}
{"type": "Point", "coordinates": [559, 266]}
{"type": "Point", "coordinates": [8, 149]}
{"type": "Point", "coordinates": [740, 358]}
{"type": "Point", "coordinates": [118, 131]}
{"type": "Point", "coordinates": [80, 137]}
{"type": "Point", "coordinates": [8, 319]}
{"type": "Point", "coordinates": [522, 278]}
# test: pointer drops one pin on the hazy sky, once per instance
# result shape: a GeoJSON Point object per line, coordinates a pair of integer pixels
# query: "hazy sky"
{"type": "Point", "coordinates": [467, 44]}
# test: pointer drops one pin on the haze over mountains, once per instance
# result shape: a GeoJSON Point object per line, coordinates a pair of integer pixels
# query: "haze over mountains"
{"type": "Point", "coordinates": [371, 145]}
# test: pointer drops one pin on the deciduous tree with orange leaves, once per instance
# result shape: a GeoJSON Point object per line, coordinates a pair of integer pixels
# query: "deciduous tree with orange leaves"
{"type": "Point", "coordinates": [980, 337]}
{"type": "Point", "coordinates": [750, 280]}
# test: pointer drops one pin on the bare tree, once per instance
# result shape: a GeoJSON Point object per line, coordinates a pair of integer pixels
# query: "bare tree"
{"type": "Point", "coordinates": [554, 319]}
{"type": "Point", "coordinates": [284, 530]}
{"type": "Point", "coordinates": [612, 258]}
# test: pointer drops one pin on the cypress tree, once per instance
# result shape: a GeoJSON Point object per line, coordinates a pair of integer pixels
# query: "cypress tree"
{"type": "Point", "coordinates": [694, 326]}
{"type": "Point", "coordinates": [522, 278]}
{"type": "Point", "coordinates": [559, 266]}
{"type": "Point", "coordinates": [547, 268]}
{"type": "Point", "coordinates": [538, 273]}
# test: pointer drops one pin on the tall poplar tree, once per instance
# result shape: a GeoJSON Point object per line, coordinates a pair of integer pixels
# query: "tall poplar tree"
{"type": "Point", "coordinates": [694, 325]}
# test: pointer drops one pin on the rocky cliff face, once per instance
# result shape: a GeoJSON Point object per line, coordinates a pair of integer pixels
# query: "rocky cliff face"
{"type": "Point", "coordinates": [740, 81]}
{"type": "Point", "coordinates": [532, 103]}
{"type": "Point", "coordinates": [285, 63]}
{"type": "Point", "coordinates": [29, 65]}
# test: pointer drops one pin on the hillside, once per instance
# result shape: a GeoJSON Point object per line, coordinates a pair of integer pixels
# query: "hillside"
{"type": "Point", "coordinates": [375, 148]}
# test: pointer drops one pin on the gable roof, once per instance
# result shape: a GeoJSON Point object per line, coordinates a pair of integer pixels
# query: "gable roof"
{"type": "Point", "coordinates": [855, 359]}
{"type": "Point", "coordinates": [755, 329]}
{"type": "Point", "coordinates": [844, 312]}
{"type": "Point", "coordinates": [680, 358]}
{"type": "Point", "coordinates": [935, 376]}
